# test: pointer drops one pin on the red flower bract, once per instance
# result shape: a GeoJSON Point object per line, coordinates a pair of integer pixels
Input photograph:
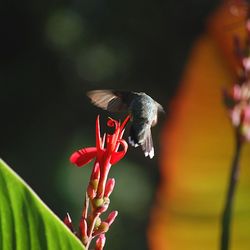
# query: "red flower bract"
{"type": "Point", "coordinates": [83, 156]}
{"type": "Point", "coordinates": [108, 155]}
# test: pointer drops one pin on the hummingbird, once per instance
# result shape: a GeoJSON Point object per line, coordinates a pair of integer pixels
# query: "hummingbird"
{"type": "Point", "coordinates": [143, 111]}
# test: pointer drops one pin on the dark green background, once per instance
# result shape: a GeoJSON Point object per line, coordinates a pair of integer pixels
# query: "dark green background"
{"type": "Point", "coordinates": [51, 52]}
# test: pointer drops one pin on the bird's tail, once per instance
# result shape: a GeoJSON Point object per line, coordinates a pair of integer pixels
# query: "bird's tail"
{"type": "Point", "coordinates": [142, 138]}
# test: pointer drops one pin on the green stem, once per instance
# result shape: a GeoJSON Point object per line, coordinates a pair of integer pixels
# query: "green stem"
{"type": "Point", "coordinates": [226, 217]}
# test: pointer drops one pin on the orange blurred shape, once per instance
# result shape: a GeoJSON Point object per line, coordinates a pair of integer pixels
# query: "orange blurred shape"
{"type": "Point", "coordinates": [197, 146]}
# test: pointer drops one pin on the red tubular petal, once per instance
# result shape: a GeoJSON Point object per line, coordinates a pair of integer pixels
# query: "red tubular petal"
{"type": "Point", "coordinates": [83, 156]}
{"type": "Point", "coordinates": [112, 123]}
{"type": "Point", "coordinates": [109, 139]}
{"type": "Point", "coordinates": [99, 143]}
{"type": "Point", "coordinates": [117, 156]}
{"type": "Point", "coordinates": [112, 139]}
{"type": "Point", "coordinates": [103, 141]}
{"type": "Point", "coordinates": [125, 122]}
{"type": "Point", "coordinates": [95, 175]}
{"type": "Point", "coordinates": [98, 134]}
{"type": "Point", "coordinates": [110, 143]}
{"type": "Point", "coordinates": [123, 125]}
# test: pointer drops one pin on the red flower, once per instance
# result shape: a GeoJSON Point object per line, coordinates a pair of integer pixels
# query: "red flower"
{"type": "Point", "coordinates": [108, 155]}
{"type": "Point", "coordinates": [109, 149]}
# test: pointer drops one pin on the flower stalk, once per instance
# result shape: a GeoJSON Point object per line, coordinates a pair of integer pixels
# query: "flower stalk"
{"type": "Point", "coordinates": [237, 101]}
{"type": "Point", "coordinates": [227, 212]}
{"type": "Point", "coordinates": [109, 149]}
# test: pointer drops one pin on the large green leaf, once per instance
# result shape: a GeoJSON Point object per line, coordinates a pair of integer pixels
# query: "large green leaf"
{"type": "Point", "coordinates": [26, 223]}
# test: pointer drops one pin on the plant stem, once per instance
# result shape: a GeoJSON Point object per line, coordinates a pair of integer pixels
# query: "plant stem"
{"type": "Point", "coordinates": [85, 207]}
{"type": "Point", "coordinates": [226, 217]}
{"type": "Point", "coordinates": [92, 225]}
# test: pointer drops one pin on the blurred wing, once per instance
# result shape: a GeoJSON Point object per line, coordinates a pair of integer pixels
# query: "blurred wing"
{"type": "Point", "coordinates": [108, 100]}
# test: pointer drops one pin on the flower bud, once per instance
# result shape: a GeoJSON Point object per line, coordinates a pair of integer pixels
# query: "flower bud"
{"type": "Point", "coordinates": [91, 192]}
{"type": "Point", "coordinates": [96, 172]}
{"type": "Point", "coordinates": [83, 230]}
{"type": "Point", "coordinates": [236, 92]}
{"type": "Point", "coordinates": [100, 242]}
{"type": "Point", "coordinates": [111, 217]}
{"type": "Point", "coordinates": [98, 222]}
{"type": "Point", "coordinates": [245, 131]}
{"type": "Point", "coordinates": [103, 228]}
{"type": "Point", "coordinates": [98, 202]}
{"type": "Point", "coordinates": [68, 222]}
{"type": "Point", "coordinates": [103, 208]}
{"type": "Point", "coordinates": [109, 187]}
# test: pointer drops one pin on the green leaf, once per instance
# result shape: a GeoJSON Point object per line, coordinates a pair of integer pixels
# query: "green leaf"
{"type": "Point", "coordinates": [26, 223]}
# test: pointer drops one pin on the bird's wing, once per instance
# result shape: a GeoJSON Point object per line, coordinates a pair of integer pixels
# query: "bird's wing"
{"type": "Point", "coordinates": [113, 101]}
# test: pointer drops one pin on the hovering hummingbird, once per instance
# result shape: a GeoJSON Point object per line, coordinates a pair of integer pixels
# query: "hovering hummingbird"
{"type": "Point", "coordinates": [142, 109]}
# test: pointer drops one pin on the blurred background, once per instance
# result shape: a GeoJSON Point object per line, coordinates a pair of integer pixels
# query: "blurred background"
{"type": "Point", "coordinates": [179, 52]}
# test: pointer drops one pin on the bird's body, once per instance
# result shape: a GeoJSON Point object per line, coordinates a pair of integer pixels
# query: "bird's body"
{"type": "Point", "coordinates": [142, 108]}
